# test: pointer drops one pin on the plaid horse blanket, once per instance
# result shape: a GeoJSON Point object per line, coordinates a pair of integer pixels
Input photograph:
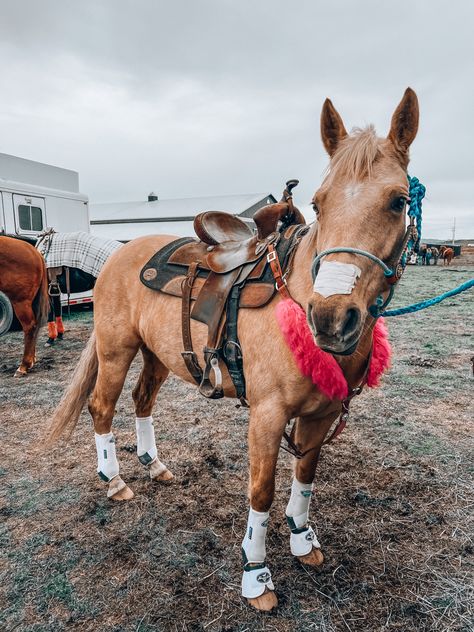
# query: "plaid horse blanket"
{"type": "Point", "coordinates": [77, 250]}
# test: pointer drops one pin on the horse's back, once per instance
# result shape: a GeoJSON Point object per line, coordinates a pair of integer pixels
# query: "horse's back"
{"type": "Point", "coordinates": [20, 263]}
{"type": "Point", "coordinates": [119, 281]}
{"type": "Point", "coordinates": [132, 256]}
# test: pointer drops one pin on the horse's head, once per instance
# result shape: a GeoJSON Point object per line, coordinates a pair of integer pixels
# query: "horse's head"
{"type": "Point", "coordinates": [361, 204]}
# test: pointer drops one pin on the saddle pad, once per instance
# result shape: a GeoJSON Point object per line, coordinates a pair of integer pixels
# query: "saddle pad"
{"type": "Point", "coordinates": [78, 250]}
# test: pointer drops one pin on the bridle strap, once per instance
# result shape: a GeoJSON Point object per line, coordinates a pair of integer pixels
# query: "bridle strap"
{"type": "Point", "coordinates": [388, 272]}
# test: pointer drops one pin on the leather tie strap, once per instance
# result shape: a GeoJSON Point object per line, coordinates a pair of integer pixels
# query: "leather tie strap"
{"type": "Point", "coordinates": [280, 281]}
{"type": "Point", "coordinates": [189, 357]}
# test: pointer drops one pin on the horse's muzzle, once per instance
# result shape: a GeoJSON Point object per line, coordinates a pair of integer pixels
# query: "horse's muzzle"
{"type": "Point", "coordinates": [337, 328]}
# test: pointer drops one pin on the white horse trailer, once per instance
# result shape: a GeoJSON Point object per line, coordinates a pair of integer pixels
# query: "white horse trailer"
{"type": "Point", "coordinates": [34, 196]}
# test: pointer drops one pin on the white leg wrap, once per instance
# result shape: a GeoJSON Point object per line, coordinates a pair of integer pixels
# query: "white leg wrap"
{"type": "Point", "coordinates": [303, 538]}
{"type": "Point", "coordinates": [146, 444]}
{"type": "Point", "coordinates": [107, 464]}
{"type": "Point", "coordinates": [256, 576]}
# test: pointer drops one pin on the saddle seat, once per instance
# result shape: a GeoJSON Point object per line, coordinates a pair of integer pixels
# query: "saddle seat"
{"type": "Point", "coordinates": [216, 227]}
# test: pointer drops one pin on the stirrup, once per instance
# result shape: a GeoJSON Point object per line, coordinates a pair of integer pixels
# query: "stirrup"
{"type": "Point", "coordinates": [206, 388]}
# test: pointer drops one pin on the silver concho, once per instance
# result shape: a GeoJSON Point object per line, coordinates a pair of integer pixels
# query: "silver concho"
{"type": "Point", "coordinates": [149, 274]}
{"type": "Point", "coordinates": [263, 578]}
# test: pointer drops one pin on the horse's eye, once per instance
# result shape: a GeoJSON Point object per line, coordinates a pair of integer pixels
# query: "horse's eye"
{"type": "Point", "coordinates": [315, 208]}
{"type": "Point", "coordinates": [398, 203]}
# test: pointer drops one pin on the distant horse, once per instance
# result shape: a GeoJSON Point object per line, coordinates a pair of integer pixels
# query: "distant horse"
{"type": "Point", "coordinates": [23, 278]}
{"type": "Point", "coordinates": [435, 253]}
{"type": "Point", "coordinates": [447, 254]}
{"type": "Point", "coordinates": [361, 204]}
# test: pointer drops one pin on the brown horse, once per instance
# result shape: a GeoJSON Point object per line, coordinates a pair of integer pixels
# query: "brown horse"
{"type": "Point", "coordinates": [361, 203]}
{"type": "Point", "coordinates": [447, 254]}
{"type": "Point", "coordinates": [23, 278]}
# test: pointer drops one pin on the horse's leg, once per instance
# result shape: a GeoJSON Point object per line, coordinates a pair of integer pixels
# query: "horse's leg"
{"type": "Point", "coordinates": [265, 431]}
{"type": "Point", "coordinates": [152, 376]}
{"type": "Point", "coordinates": [52, 329]}
{"type": "Point", "coordinates": [25, 315]}
{"type": "Point", "coordinates": [309, 435]}
{"type": "Point", "coordinates": [115, 357]}
{"type": "Point", "coordinates": [58, 310]}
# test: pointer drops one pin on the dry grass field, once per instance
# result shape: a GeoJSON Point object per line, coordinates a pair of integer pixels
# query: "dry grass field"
{"type": "Point", "coordinates": [393, 506]}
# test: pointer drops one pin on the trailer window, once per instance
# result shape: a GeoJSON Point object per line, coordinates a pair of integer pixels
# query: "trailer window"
{"type": "Point", "coordinates": [30, 217]}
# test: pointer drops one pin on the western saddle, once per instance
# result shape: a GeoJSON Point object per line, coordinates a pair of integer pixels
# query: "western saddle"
{"type": "Point", "coordinates": [230, 267]}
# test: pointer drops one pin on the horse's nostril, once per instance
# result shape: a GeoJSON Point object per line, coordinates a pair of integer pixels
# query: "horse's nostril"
{"type": "Point", "coordinates": [351, 322]}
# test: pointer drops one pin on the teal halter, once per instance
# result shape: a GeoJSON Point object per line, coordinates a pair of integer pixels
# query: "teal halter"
{"type": "Point", "coordinates": [411, 242]}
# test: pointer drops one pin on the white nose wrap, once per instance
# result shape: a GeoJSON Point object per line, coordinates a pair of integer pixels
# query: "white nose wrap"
{"type": "Point", "coordinates": [107, 464]}
{"type": "Point", "coordinates": [146, 444]}
{"type": "Point", "coordinates": [334, 277]}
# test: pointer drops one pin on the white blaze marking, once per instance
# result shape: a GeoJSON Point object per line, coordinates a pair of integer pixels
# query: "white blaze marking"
{"type": "Point", "coordinates": [352, 190]}
{"type": "Point", "coordinates": [336, 278]}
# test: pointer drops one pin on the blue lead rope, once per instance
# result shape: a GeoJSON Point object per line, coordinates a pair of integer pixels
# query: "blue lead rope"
{"type": "Point", "coordinates": [415, 307]}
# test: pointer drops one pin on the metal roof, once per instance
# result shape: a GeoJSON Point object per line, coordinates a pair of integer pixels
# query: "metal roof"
{"type": "Point", "coordinates": [441, 242]}
{"type": "Point", "coordinates": [175, 209]}
{"type": "Point", "coordinates": [31, 172]}
{"type": "Point", "coordinates": [127, 220]}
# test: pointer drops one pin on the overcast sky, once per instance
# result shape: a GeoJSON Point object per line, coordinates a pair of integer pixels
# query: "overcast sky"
{"type": "Point", "coordinates": [202, 97]}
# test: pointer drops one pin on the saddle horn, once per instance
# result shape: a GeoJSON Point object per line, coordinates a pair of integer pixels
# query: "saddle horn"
{"type": "Point", "coordinates": [267, 217]}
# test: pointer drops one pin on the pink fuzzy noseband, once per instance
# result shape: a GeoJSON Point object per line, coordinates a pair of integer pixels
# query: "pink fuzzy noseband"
{"type": "Point", "coordinates": [320, 366]}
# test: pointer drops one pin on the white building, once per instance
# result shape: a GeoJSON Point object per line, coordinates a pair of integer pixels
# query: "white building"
{"type": "Point", "coordinates": [126, 220]}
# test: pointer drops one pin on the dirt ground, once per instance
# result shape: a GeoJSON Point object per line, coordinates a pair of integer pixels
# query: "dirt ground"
{"type": "Point", "coordinates": [393, 505]}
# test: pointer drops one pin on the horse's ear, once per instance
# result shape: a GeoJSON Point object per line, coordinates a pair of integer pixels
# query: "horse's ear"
{"type": "Point", "coordinates": [405, 122]}
{"type": "Point", "coordinates": [332, 127]}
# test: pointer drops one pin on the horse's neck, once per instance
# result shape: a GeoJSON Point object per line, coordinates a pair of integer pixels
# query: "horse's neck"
{"type": "Point", "coordinates": [300, 285]}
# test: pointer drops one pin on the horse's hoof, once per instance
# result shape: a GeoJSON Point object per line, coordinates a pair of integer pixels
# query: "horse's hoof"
{"type": "Point", "coordinates": [313, 558]}
{"type": "Point", "coordinates": [50, 342]}
{"type": "Point", "coordinates": [124, 494]}
{"type": "Point", "coordinates": [19, 373]}
{"type": "Point", "coordinates": [160, 473]}
{"type": "Point", "coordinates": [119, 490]}
{"type": "Point", "coordinates": [60, 336]}
{"type": "Point", "coordinates": [265, 602]}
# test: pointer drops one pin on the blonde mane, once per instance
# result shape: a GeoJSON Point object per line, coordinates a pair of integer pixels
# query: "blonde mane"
{"type": "Point", "coordinates": [355, 154]}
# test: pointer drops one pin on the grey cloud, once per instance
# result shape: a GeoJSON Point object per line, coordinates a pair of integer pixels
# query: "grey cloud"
{"type": "Point", "coordinates": [215, 96]}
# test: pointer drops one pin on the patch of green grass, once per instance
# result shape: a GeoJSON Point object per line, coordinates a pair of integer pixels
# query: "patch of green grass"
{"type": "Point", "coordinates": [424, 445]}
{"type": "Point", "coordinates": [58, 587]}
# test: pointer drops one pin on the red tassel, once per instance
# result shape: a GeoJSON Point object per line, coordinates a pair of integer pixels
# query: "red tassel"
{"type": "Point", "coordinates": [381, 354]}
{"type": "Point", "coordinates": [312, 361]}
{"type": "Point", "coordinates": [320, 366]}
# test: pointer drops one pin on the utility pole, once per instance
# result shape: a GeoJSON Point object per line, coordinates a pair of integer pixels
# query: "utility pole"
{"type": "Point", "coordinates": [454, 230]}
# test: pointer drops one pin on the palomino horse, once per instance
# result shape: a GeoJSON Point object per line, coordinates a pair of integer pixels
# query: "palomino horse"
{"type": "Point", "coordinates": [24, 280]}
{"type": "Point", "coordinates": [361, 204]}
{"type": "Point", "coordinates": [447, 254]}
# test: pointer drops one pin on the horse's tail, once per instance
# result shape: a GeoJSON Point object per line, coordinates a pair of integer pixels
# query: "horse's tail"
{"type": "Point", "coordinates": [67, 413]}
{"type": "Point", "coordinates": [40, 304]}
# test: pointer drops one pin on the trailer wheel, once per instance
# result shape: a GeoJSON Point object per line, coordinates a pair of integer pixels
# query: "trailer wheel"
{"type": "Point", "coordinates": [6, 314]}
